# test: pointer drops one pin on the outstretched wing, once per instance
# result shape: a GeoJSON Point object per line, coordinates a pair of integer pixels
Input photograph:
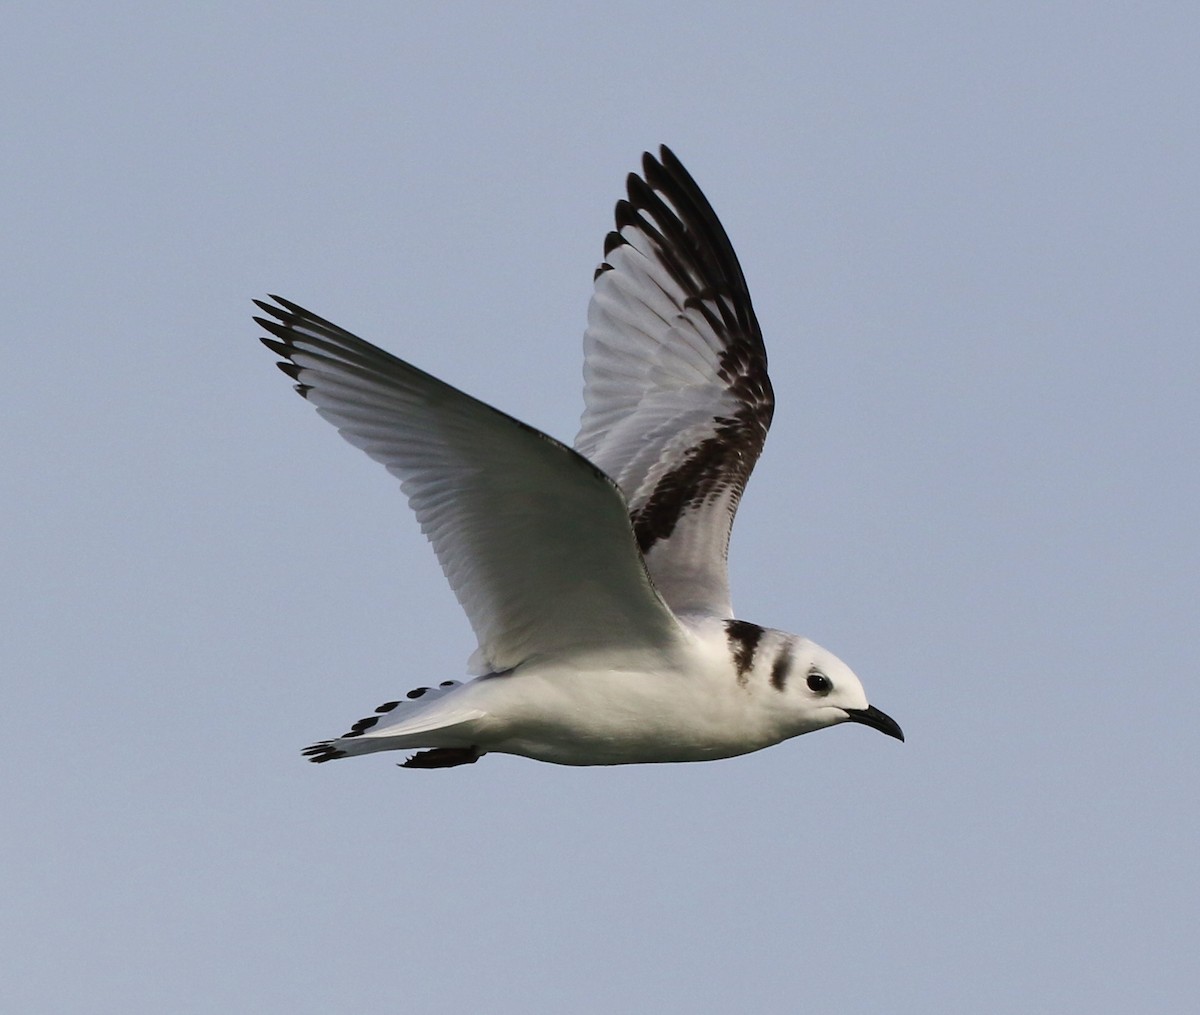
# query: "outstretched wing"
{"type": "Point", "coordinates": [534, 539]}
{"type": "Point", "coordinates": [677, 397]}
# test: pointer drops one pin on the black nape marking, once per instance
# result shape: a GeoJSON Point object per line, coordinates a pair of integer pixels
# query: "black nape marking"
{"type": "Point", "coordinates": [444, 757]}
{"type": "Point", "coordinates": [781, 667]}
{"type": "Point", "coordinates": [323, 751]}
{"type": "Point", "coordinates": [743, 642]}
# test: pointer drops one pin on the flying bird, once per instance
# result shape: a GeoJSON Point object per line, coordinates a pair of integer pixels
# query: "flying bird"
{"type": "Point", "coordinates": [594, 577]}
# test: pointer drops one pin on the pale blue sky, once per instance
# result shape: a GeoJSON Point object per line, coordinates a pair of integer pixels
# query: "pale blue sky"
{"type": "Point", "coordinates": [972, 237]}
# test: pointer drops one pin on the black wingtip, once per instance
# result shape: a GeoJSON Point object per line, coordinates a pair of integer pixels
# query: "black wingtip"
{"type": "Point", "coordinates": [295, 308]}
{"type": "Point", "coordinates": [280, 329]}
{"type": "Point", "coordinates": [284, 312]}
{"type": "Point", "coordinates": [614, 239]}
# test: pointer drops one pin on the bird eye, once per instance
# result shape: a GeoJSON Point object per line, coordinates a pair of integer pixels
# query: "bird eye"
{"type": "Point", "coordinates": [818, 683]}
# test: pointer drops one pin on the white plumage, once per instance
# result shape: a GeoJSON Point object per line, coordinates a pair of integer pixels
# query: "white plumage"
{"type": "Point", "coordinates": [594, 579]}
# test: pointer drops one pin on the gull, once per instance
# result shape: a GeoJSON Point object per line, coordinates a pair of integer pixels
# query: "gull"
{"type": "Point", "coordinates": [593, 577]}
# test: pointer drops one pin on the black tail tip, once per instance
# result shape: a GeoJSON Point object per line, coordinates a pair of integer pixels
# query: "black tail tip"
{"type": "Point", "coordinates": [323, 751]}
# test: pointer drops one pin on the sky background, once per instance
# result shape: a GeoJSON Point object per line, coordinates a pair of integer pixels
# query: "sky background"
{"type": "Point", "coordinates": [972, 236]}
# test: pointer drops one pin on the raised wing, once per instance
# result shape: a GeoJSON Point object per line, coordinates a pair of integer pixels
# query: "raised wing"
{"type": "Point", "coordinates": [534, 539]}
{"type": "Point", "coordinates": [677, 397]}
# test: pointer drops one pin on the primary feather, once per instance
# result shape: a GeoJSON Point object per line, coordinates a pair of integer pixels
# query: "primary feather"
{"type": "Point", "coordinates": [677, 397]}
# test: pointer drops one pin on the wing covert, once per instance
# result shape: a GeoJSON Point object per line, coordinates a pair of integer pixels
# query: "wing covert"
{"type": "Point", "coordinates": [533, 538]}
{"type": "Point", "coordinates": [677, 397]}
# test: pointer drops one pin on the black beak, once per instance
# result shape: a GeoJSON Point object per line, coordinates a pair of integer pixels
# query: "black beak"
{"type": "Point", "coordinates": [871, 716]}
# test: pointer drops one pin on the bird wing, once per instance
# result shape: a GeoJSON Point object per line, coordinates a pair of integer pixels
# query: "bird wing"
{"type": "Point", "coordinates": [534, 539]}
{"type": "Point", "coordinates": [677, 397]}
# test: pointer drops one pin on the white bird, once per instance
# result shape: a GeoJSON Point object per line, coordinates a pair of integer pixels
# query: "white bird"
{"type": "Point", "coordinates": [594, 579]}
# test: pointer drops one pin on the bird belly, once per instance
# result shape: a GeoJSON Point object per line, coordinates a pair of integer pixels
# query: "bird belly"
{"type": "Point", "coordinates": [619, 717]}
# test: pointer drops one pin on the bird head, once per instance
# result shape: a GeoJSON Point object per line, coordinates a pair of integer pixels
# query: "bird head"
{"type": "Point", "coordinates": [820, 690]}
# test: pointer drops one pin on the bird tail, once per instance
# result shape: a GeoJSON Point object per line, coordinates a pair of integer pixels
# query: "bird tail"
{"type": "Point", "coordinates": [425, 717]}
